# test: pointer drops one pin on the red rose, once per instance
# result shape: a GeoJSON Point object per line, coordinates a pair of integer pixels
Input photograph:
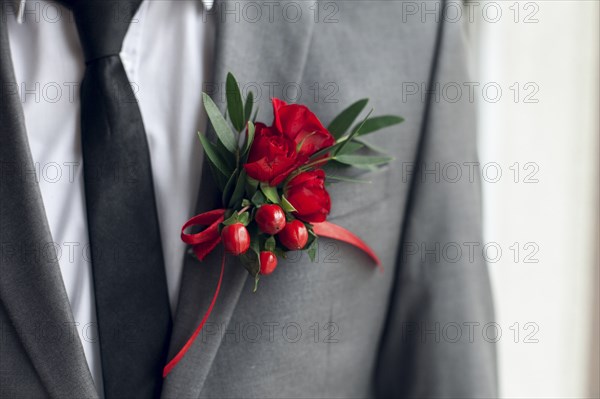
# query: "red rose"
{"type": "Point", "coordinates": [299, 124]}
{"type": "Point", "coordinates": [306, 192]}
{"type": "Point", "coordinates": [272, 156]}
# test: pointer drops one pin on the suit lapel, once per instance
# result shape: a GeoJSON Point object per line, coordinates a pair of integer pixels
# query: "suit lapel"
{"type": "Point", "coordinates": [31, 286]}
{"type": "Point", "coordinates": [261, 55]}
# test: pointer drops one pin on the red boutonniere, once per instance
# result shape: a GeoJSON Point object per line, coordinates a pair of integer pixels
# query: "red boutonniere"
{"type": "Point", "coordinates": [273, 185]}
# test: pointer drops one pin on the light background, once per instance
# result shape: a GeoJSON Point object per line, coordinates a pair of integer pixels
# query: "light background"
{"type": "Point", "coordinates": [553, 45]}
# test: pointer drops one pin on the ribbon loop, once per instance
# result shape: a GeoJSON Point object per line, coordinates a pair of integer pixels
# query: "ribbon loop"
{"type": "Point", "coordinates": [205, 241]}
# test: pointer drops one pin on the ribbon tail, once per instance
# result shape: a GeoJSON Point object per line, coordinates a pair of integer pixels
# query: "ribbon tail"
{"type": "Point", "coordinates": [202, 250]}
{"type": "Point", "coordinates": [330, 230]}
{"type": "Point", "coordinates": [191, 340]}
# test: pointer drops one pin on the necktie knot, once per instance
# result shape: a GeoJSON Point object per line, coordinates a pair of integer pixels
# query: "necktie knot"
{"type": "Point", "coordinates": [102, 25]}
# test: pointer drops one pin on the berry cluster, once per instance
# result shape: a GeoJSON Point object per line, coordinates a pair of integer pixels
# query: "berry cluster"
{"type": "Point", "coordinates": [271, 220]}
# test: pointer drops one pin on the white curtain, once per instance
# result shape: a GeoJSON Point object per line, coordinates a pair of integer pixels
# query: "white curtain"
{"type": "Point", "coordinates": [541, 133]}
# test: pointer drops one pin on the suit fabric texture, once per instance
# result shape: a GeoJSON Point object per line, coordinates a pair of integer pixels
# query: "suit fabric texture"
{"type": "Point", "coordinates": [334, 328]}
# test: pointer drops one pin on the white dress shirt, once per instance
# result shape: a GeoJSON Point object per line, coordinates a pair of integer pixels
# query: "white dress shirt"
{"type": "Point", "coordinates": [167, 54]}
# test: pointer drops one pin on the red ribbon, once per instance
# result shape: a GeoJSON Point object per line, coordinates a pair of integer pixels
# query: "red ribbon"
{"type": "Point", "coordinates": [204, 242]}
{"type": "Point", "coordinates": [330, 230]}
{"type": "Point", "coordinates": [190, 341]}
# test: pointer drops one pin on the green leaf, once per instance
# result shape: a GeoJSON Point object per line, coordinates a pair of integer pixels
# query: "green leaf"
{"type": "Point", "coordinates": [351, 135]}
{"type": "Point", "coordinates": [249, 138]}
{"type": "Point", "coordinates": [235, 106]}
{"type": "Point", "coordinates": [332, 149]}
{"type": "Point", "coordinates": [224, 133]}
{"type": "Point", "coordinates": [363, 160]}
{"type": "Point", "coordinates": [370, 146]}
{"type": "Point", "coordinates": [251, 259]}
{"type": "Point", "coordinates": [377, 123]}
{"type": "Point", "coordinates": [344, 120]}
{"type": "Point", "coordinates": [251, 262]}
{"type": "Point", "coordinates": [256, 279]}
{"type": "Point", "coordinates": [233, 219]}
{"type": "Point", "coordinates": [229, 187]}
{"type": "Point", "coordinates": [226, 156]}
{"type": "Point", "coordinates": [254, 240]}
{"type": "Point", "coordinates": [312, 249]}
{"type": "Point", "coordinates": [350, 148]}
{"type": "Point", "coordinates": [324, 151]}
{"type": "Point", "coordinates": [285, 204]}
{"type": "Point", "coordinates": [248, 106]}
{"type": "Point", "coordinates": [259, 198]}
{"type": "Point", "coordinates": [270, 192]}
{"type": "Point", "coordinates": [270, 244]}
{"type": "Point", "coordinates": [244, 218]}
{"type": "Point", "coordinates": [251, 186]}
{"type": "Point", "coordinates": [238, 192]}
{"type": "Point", "coordinates": [213, 156]}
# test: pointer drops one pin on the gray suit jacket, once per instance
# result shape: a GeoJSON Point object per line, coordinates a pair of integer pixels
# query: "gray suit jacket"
{"type": "Point", "coordinates": [335, 328]}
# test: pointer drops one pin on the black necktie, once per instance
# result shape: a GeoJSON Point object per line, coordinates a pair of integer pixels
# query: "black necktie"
{"type": "Point", "coordinates": [129, 277]}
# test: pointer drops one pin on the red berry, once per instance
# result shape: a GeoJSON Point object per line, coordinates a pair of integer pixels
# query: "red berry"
{"type": "Point", "coordinates": [268, 262]}
{"type": "Point", "coordinates": [270, 219]}
{"type": "Point", "coordinates": [235, 238]}
{"type": "Point", "coordinates": [294, 235]}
